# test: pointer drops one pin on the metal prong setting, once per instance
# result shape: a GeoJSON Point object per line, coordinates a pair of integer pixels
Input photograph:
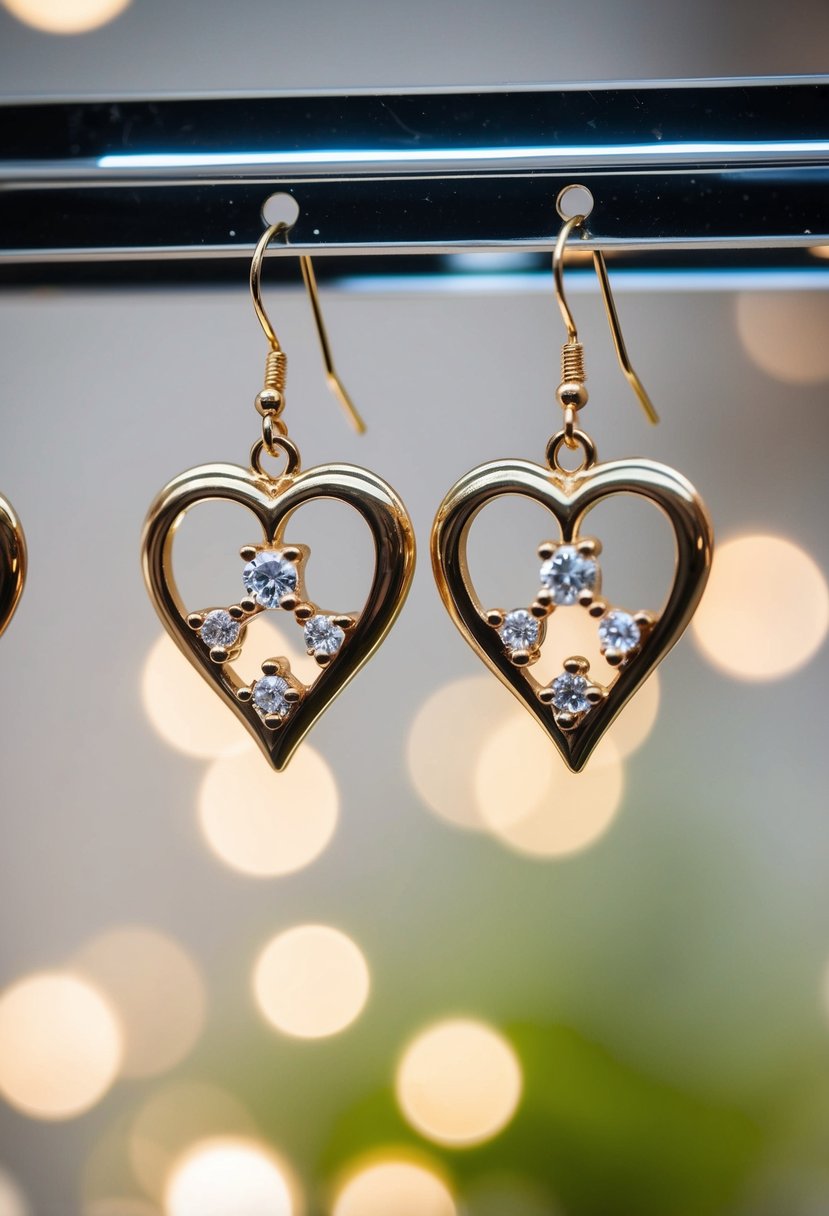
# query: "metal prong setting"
{"type": "Point", "coordinates": [223, 641]}
{"type": "Point", "coordinates": [274, 694]}
{"type": "Point", "coordinates": [575, 580]}
{"type": "Point", "coordinates": [630, 631]}
{"type": "Point", "coordinates": [555, 591]}
{"type": "Point", "coordinates": [294, 593]}
{"type": "Point", "coordinates": [576, 666]}
{"type": "Point", "coordinates": [521, 631]}
{"type": "Point", "coordinates": [334, 630]}
{"type": "Point", "coordinates": [277, 691]}
{"type": "Point", "coordinates": [572, 695]}
{"type": "Point", "coordinates": [294, 600]}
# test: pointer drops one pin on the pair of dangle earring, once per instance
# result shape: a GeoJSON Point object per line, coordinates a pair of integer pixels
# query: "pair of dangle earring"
{"type": "Point", "coordinates": [12, 562]}
{"type": "Point", "coordinates": [578, 705]}
{"type": "Point", "coordinates": [277, 708]}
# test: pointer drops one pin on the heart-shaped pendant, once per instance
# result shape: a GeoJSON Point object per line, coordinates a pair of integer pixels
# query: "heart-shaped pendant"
{"type": "Point", "coordinates": [277, 708]}
{"type": "Point", "coordinates": [12, 562]}
{"type": "Point", "coordinates": [576, 709]}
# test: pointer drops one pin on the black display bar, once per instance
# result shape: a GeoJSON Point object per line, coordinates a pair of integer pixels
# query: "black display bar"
{"type": "Point", "coordinates": [725, 169]}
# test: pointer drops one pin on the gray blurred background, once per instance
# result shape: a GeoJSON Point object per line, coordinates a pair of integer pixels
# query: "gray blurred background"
{"type": "Point", "coordinates": [663, 989]}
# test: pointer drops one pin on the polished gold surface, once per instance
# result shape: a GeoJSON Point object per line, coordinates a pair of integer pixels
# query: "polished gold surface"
{"type": "Point", "coordinates": [12, 562]}
{"type": "Point", "coordinates": [273, 503]}
{"type": "Point", "coordinates": [569, 497]}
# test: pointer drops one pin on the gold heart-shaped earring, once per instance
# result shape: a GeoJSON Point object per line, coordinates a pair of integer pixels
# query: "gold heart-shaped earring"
{"type": "Point", "coordinates": [577, 706]}
{"type": "Point", "coordinates": [277, 708]}
{"type": "Point", "coordinates": [12, 562]}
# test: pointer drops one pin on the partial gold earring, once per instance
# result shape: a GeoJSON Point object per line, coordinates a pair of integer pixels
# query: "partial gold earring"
{"type": "Point", "coordinates": [13, 561]}
{"type": "Point", "coordinates": [278, 708]}
{"type": "Point", "coordinates": [578, 705]}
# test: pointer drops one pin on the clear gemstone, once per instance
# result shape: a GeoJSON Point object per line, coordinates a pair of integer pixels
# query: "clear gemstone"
{"type": "Point", "coordinates": [268, 577]}
{"type": "Point", "coordinates": [269, 695]}
{"type": "Point", "coordinates": [619, 631]}
{"type": "Point", "coordinates": [519, 630]}
{"type": "Point", "coordinates": [321, 634]}
{"type": "Point", "coordinates": [567, 573]}
{"type": "Point", "coordinates": [219, 629]}
{"type": "Point", "coordinates": [569, 694]}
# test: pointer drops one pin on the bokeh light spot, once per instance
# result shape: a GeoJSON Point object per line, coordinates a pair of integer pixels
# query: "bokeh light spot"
{"type": "Point", "coordinates": [633, 726]}
{"type": "Point", "coordinates": [229, 1178]}
{"type": "Point", "coordinates": [175, 1117]}
{"type": "Point", "coordinates": [459, 720]}
{"type": "Point", "coordinates": [784, 334]}
{"type": "Point", "coordinates": [394, 1187]}
{"type": "Point", "coordinates": [449, 727]}
{"type": "Point", "coordinates": [157, 991]}
{"type": "Point", "coordinates": [184, 710]}
{"type": "Point", "coordinates": [459, 1082]}
{"type": "Point", "coordinates": [60, 1045]}
{"type": "Point", "coordinates": [311, 981]}
{"type": "Point", "coordinates": [765, 611]}
{"type": "Point", "coordinates": [565, 813]}
{"type": "Point", "coordinates": [265, 823]}
{"type": "Point", "coordinates": [12, 1199]}
{"type": "Point", "coordinates": [66, 16]}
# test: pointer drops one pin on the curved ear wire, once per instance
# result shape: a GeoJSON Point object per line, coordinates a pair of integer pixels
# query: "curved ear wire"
{"type": "Point", "coordinates": [600, 266]}
{"type": "Point", "coordinates": [622, 355]}
{"type": "Point", "coordinates": [309, 278]}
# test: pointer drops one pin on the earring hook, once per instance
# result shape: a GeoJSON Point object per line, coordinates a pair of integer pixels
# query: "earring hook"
{"type": "Point", "coordinates": [309, 278]}
{"type": "Point", "coordinates": [600, 266]}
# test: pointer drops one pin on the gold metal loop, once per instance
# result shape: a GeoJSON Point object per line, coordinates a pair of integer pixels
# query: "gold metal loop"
{"type": "Point", "coordinates": [582, 440]}
{"type": "Point", "coordinates": [570, 440]}
{"type": "Point", "coordinates": [273, 430]}
{"type": "Point", "coordinates": [280, 444]}
{"type": "Point", "coordinates": [600, 266]}
{"type": "Point", "coordinates": [309, 278]}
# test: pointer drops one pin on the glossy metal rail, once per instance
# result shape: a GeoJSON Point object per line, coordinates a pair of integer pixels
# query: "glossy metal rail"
{"type": "Point", "coordinates": [717, 173]}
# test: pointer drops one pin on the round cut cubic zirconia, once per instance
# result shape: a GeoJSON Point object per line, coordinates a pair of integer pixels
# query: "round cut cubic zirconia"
{"type": "Point", "coordinates": [619, 631]}
{"type": "Point", "coordinates": [219, 629]}
{"type": "Point", "coordinates": [567, 574]}
{"type": "Point", "coordinates": [268, 576]}
{"type": "Point", "coordinates": [519, 630]}
{"type": "Point", "coordinates": [322, 635]}
{"type": "Point", "coordinates": [569, 694]}
{"type": "Point", "coordinates": [269, 695]}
